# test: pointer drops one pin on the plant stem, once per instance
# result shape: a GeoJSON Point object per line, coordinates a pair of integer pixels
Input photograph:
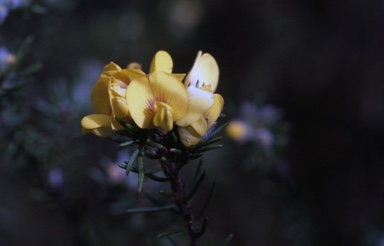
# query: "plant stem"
{"type": "Point", "coordinates": [172, 171]}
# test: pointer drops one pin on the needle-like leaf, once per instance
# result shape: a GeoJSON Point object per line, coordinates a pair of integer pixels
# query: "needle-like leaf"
{"type": "Point", "coordinates": [153, 209]}
{"type": "Point", "coordinates": [197, 185]}
{"type": "Point", "coordinates": [171, 232]}
{"type": "Point", "coordinates": [131, 161]}
{"type": "Point", "coordinates": [210, 195]}
{"type": "Point", "coordinates": [140, 173]}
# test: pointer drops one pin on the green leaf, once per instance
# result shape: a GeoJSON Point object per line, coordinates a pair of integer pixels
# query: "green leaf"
{"type": "Point", "coordinates": [195, 156]}
{"type": "Point", "coordinates": [153, 199]}
{"type": "Point", "coordinates": [174, 137]}
{"type": "Point", "coordinates": [171, 232]}
{"type": "Point", "coordinates": [228, 240]}
{"type": "Point", "coordinates": [151, 153]}
{"type": "Point", "coordinates": [209, 198]}
{"type": "Point", "coordinates": [211, 141]}
{"type": "Point", "coordinates": [140, 172]}
{"type": "Point", "coordinates": [158, 202]}
{"type": "Point", "coordinates": [131, 161]}
{"type": "Point", "coordinates": [117, 138]}
{"type": "Point", "coordinates": [217, 130]}
{"type": "Point", "coordinates": [172, 241]}
{"type": "Point", "coordinates": [146, 171]}
{"type": "Point", "coordinates": [30, 70]}
{"type": "Point", "coordinates": [131, 128]}
{"type": "Point", "coordinates": [197, 185]}
{"type": "Point", "coordinates": [166, 194]}
{"type": "Point", "coordinates": [209, 147]}
{"type": "Point", "coordinates": [203, 227]}
{"type": "Point", "coordinates": [175, 151]}
{"type": "Point", "coordinates": [156, 178]}
{"type": "Point", "coordinates": [123, 166]}
{"type": "Point", "coordinates": [126, 144]}
{"type": "Point", "coordinates": [124, 133]}
{"type": "Point", "coordinates": [154, 144]}
{"type": "Point", "coordinates": [153, 209]}
{"type": "Point", "coordinates": [198, 169]}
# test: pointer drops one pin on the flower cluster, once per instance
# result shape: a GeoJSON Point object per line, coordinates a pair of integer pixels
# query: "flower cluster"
{"type": "Point", "coordinates": [160, 99]}
{"type": "Point", "coordinates": [260, 128]}
{"type": "Point", "coordinates": [254, 125]}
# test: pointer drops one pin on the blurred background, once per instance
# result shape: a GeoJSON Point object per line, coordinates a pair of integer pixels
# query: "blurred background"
{"type": "Point", "coordinates": [304, 77]}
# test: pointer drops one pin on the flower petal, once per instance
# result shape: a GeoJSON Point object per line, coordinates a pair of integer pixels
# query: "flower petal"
{"type": "Point", "coordinates": [200, 126]}
{"type": "Point", "coordinates": [119, 107]}
{"type": "Point", "coordinates": [103, 132]}
{"type": "Point", "coordinates": [96, 120]}
{"type": "Point", "coordinates": [98, 124]}
{"type": "Point", "coordinates": [199, 102]}
{"type": "Point", "coordinates": [162, 61]}
{"type": "Point", "coordinates": [179, 76]}
{"type": "Point", "coordinates": [123, 76]}
{"type": "Point", "coordinates": [214, 112]}
{"type": "Point", "coordinates": [167, 89]}
{"type": "Point", "coordinates": [205, 71]}
{"type": "Point", "coordinates": [134, 73]}
{"type": "Point", "coordinates": [111, 68]}
{"type": "Point", "coordinates": [134, 66]}
{"type": "Point", "coordinates": [188, 136]}
{"type": "Point", "coordinates": [163, 116]}
{"type": "Point", "coordinates": [140, 101]}
{"type": "Point", "coordinates": [100, 96]}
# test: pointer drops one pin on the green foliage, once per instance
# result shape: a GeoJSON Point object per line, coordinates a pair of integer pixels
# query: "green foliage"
{"type": "Point", "coordinates": [172, 155]}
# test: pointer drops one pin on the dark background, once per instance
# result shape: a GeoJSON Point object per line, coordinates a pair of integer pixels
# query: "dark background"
{"type": "Point", "coordinates": [320, 62]}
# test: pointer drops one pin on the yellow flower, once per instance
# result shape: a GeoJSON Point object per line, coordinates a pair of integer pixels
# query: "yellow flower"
{"type": "Point", "coordinates": [237, 130]}
{"type": "Point", "coordinates": [204, 107]}
{"type": "Point", "coordinates": [157, 100]}
{"type": "Point", "coordinates": [108, 99]}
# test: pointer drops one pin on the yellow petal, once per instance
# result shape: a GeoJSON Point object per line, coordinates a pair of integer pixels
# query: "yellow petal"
{"type": "Point", "coordinates": [205, 71]}
{"type": "Point", "coordinates": [119, 107]}
{"type": "Point", "coordinates": [188, 136]}
{"type": "Point", "coordinates": [134, 66]}
{"type": "Point", "coordinates": [111, 68]}
{"type": "Point", "coordinates": [162, 61]}
{"type": "Point", "coordinates": [95, 121]}
{"type": "Point", "coordinates": [98, 124]}
{"type": "Point", "coordinates": [123, 76]}
{"type": "Point", "coordinates": [100, 96]}
{"type": "Point", "coordinates": [214, 112]}
{"type": "Point", "coordinates": [163, 116]}
{"type": "Point", "coordinates": [140, 101]}
{"type": "Point", "coordinates": [135, 73]}
{"type": "Point", "coordinates": [200, 126]}
{"type": "Point", "coordinates": [116, 88]}
{"type": "Point", "coordinates": [103, 132]}
{"type": "Point", "coordinates": [167, 89]}
{"type": "Point", "coordinates": [199, 102]}
{"type": "Point", "coordinates": [179, 76]}
{"type": "Point", "coordinates": [120, 110]}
